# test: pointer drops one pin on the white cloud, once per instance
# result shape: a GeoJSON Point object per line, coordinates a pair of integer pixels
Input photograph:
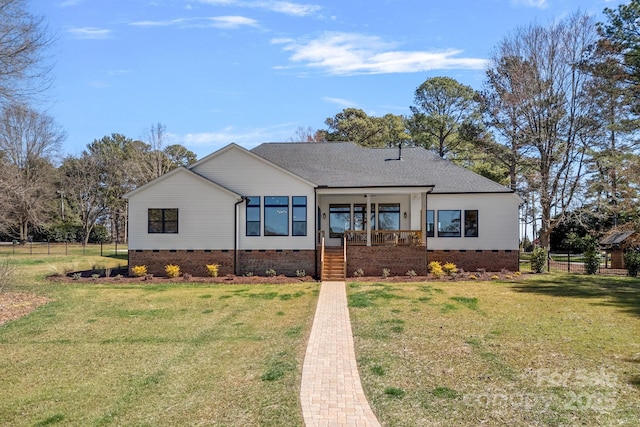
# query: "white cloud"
{"type": "Point", "coordinates": [89, 33]}
{"type": "Point", "coordinates": [340, 101]}
{"type": "Point", "coordinates": [540, 4]}
{"type": "Point", "coordinates": [288, 8]}
{"type": "Point", "coordinates": [248, 138]}
{"type": "Point", "coordinates": [214, 21]}
{"type": "Point", "coordinates": [350, 54]}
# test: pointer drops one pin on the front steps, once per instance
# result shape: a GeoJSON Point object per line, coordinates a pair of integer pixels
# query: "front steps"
{"type": "Point", "coordinates": [334, 265]}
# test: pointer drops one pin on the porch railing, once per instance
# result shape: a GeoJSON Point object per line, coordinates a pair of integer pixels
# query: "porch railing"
{"type": "Point", "coordinates": [384, 237]}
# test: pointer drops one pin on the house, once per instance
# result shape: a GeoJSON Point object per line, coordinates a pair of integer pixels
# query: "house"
{"type": "Point", "coordinates": [295, 207]}
{"type": "Point", "coordinates": [616, 241]}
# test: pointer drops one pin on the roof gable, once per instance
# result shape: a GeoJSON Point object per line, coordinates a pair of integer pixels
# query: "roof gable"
{"type": "Point", "coordinates": [169, 175]}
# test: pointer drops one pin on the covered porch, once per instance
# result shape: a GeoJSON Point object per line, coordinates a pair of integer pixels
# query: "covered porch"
{"type": "Point", "coordinates": [371, 229]}
{"type": "Point", "coordinates": [393, 216]}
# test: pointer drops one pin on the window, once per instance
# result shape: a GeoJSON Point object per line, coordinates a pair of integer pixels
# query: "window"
{"type": "Point", "coordinates": [360, 217]}
{"type": "Point", "coordinates": [389, 216]}
{"type": "Point", "coordinates": [276, 216]}
{"type": "Point", "coordinates": [339, 219]}
{"type": "Point", "coordinates": [163, 221]}
{"type": "Point", "coordinates": [430, 224]}
{"type": "Point", "coordinates": [299, 206]}
{"type": "Point", "coordinates": [470, 223]}
{"type": "Point", "coordinates": [449, 223]}
{"type": "Point", "coordinates": [253, 216]}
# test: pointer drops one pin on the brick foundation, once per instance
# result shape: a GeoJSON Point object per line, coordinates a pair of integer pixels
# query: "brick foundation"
{"type": "Point", "coordinates": [194, 262]}
{"type": "Point", "coordinates": [398, 259]}
{"type": "Point", "coordinates": [472, 260]}
{"type": "Point", "coordinates": [286, 262]}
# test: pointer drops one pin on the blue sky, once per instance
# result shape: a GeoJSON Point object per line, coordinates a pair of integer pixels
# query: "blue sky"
{"type": "Point", "coordinates": [252, 71]}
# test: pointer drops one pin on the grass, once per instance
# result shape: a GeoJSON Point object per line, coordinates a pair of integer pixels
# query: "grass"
{"type": "Point", "coordinates": [551, 350]}
{"type": "Point", "coordinates": [159, 354]}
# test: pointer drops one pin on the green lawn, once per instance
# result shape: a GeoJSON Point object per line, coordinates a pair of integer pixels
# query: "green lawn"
{"type": "Point", "coordinates": [157, 354]}
{"type": "Point", "coordinates": [547, 350]}
{"type": "Point", "coordinates": [551, 350]}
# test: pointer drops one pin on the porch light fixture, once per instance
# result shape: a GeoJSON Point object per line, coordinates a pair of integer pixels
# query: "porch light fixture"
{"type": "Point", "coordinates": [324, 215]}
{"type": "Point", "coordinates": [405, 215]}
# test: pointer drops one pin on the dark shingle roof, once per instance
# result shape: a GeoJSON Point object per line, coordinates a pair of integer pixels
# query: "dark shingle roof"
{"type": "Point", "coordinates": [345, 164]}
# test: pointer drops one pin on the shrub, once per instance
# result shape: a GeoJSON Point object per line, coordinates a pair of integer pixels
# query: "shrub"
{"type": "Point", "coordinates": [538, 260]}
{"type": "Point", "coordinates": [172, 270]}
{"type": "Point", "coordinates": [591, 257]}
{"type": "Point", "coordinates": [632, 262]}
{"type": "Point", "coordinates": [386, 272]}
{"type": "Point", "coordinates": [450, 269]}
{"type": "Point", "coordinates": [301, 273]}
{"type": "Point", "coordinates": [435, 268]}
{"type": "Point", "coordinates": [139, 270]}
{"type": "Point", "coordinates": [213, 269]}
{"type": "Point", "coordinates": [358, 273]}
{"type": "Point", "coordinates": [411, 273]}
{"type": "Point", "coordinates": [270, 272]}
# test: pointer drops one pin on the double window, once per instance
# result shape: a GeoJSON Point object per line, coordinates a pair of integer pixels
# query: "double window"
{"type": "Point", "coordinates": [276, 216]}
{"type": "Point", "coordinates": [162, 221]}
{"type": "Point", "coordinates": [450, 223]}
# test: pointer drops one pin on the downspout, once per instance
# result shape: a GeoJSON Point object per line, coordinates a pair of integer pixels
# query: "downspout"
{"type": "Point", "coordinates": [235, 234]}
{"type": "Point", "coordinates": [426, 237]}
{"type": "Point", "coordinates": [315, 230]}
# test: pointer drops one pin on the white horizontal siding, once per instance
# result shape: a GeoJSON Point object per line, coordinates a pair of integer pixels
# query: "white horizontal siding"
{"type": "Point", "coordinates": [205, 215]}
{"type": "Point", "coordinates": [243, 173]}
{"type": "Point", "coordinates": [498, 226]}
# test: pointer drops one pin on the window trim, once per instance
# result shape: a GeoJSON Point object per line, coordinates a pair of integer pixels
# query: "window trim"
{"type": "Point", "coordinates": [383, 210]}
{"type": "Point", "coordinates": [457, 233]}
{"type": "Point", "coordinates": [431, 233]}
{"type": "Point", "coordinates": [271, 206]}
{"type": "Point", "coordinates": [475, 229]}
{"type": "Point", "coordinates": [163, 221]}
{"type": "Point", "coordinates": [298, 202]}
{"type": "Point", "coordinates": [252, 207]}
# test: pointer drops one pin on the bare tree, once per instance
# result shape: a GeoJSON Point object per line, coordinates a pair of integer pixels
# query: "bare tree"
{"type": "Point", "coordinates": [29, 144]}
{"type": "Point", "coordinates": [85, 190]}
{"type": "Point", "coordinates": [307, 135]}
{"type": "Point", "coordinates": [553, 118]}
{"type": "Point", "coordinates": [23, 41]}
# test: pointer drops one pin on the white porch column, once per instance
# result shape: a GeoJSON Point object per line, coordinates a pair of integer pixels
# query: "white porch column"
{"type": "Point", "coordinates": [368, 219]}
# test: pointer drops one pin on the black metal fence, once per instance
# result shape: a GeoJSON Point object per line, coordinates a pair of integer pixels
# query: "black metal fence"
{"type": "Point", "coordinates": [63, 249]}
{"type": "Point", "coordinates": [574, 263]}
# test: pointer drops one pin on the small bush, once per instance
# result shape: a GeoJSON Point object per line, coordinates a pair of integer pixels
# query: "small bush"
{"type": "Point", "coordinates": [411, 273]}
{"type": "Point", "coordinates": [386, 272]}
{"type": "Point", "coordinates": [301, 273]}
{"type": "Point", "coordinates": [358, 273]}
{"type": "Point", "coordinates": [632, 262]}
{"type": "Point", "coordinates": [139, 270]}
{"type": "Point", "coordinates": [172, 270]}
{"type": "Point", "coordinates": [450, 269]}
{"type": "Point", "coordinates": [248, 274]}
{"type": "Point", "coordinates": [213, 269]}
{"type": "Point", "coordinates": [76, 276]}
{"type": "Point", "coordinates": [186, 277]}
{"type": "Point", "coordinates": [270, 272]}
{"type": "Point", "coordinates": [591, 255]}
{"type": "Point", "coordinates": [538, 260]}
{"type": "Point", "coordinates": [435, 268]}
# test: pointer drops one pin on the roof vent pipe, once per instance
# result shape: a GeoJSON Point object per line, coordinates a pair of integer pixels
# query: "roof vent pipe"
{"type": "Point", "coordinates": [400, 151]}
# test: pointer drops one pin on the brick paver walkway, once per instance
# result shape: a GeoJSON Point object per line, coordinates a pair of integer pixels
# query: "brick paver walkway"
{"type": "Point", "coordinates": [331, 393]}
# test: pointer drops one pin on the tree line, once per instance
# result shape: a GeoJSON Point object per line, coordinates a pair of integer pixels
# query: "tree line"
{"type": "Point", "coordinates": [556, 121]}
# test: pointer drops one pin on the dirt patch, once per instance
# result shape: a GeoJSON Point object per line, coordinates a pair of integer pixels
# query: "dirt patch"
{"type": "Point", "coordinates": [15, 305]}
